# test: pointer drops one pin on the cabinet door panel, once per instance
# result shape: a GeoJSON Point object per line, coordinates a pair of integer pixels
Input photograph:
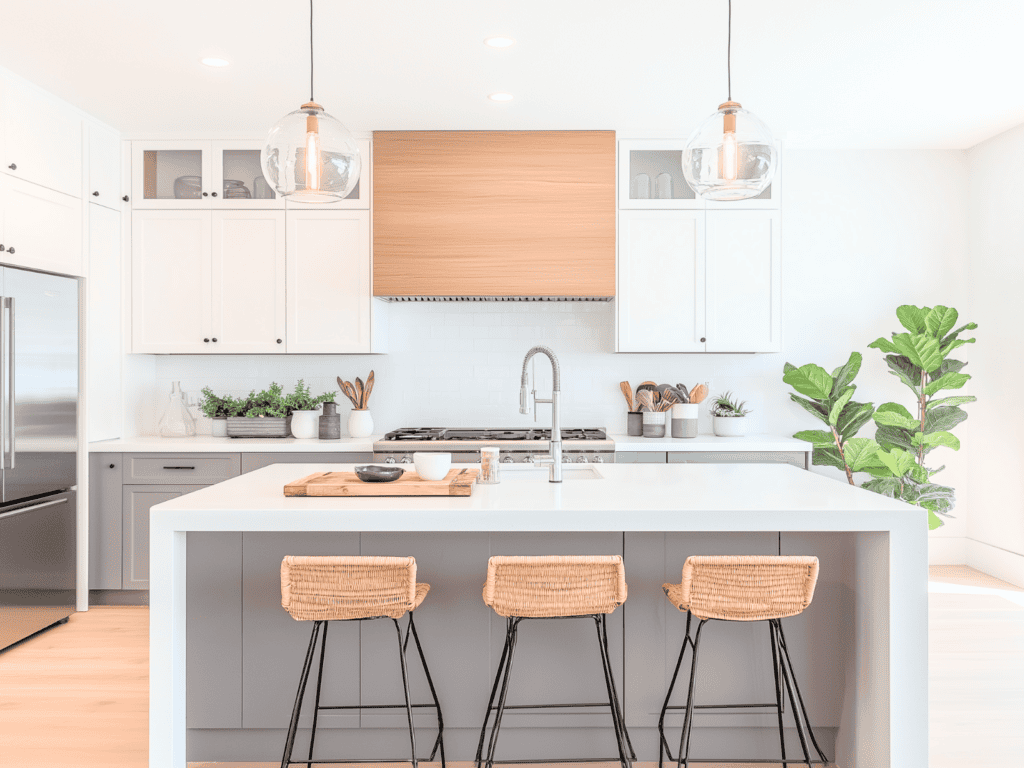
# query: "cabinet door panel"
{"type": "Point", "coordinates": [660, 300]}
{"type": "Point", "coordinates": [248, 273]}
{"type": "Point", "coordinates": [104, 167]}
{"type": "Point", "coordinates": [43, 141]}
{"type": "Point", "coordinates": [744, 276]}
{"type": "Point", "coordinates": [105, 523]}
{"type": "Point", "coordinates": [136, 501]}
{"type": "Point", "coordinates": [171, 297]}
{"type": "Point", "coordinates": [42, 228]}
{"type": "Point", "coordinates": [328, 281]}
{"type": "Point", "coordinates": [171, 174]}
{"type": "Point", "coordinates": [104, 328]}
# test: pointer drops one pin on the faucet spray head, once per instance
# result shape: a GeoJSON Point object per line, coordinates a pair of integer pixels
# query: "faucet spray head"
{"type": "Point", "coordinates": [524, 400]}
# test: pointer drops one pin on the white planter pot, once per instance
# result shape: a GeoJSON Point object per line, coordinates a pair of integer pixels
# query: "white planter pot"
{"type": "Point", "coordinates": [730, 426]}
{"type": "Point", "coordinates": [220, 427]}
{"type": "Point", "coordinates": [305, 424]}
{"type": "Point", "coordinates": [360, 423]}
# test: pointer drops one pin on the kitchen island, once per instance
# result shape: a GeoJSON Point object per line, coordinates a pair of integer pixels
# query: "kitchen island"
{"type": "Point", "coordinates": [225, 657]}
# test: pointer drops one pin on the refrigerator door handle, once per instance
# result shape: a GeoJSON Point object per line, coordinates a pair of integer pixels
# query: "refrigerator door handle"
{"type": "Point", "coordinates": [3, 369]}
{"type": "Point", "coordinates": [10, 378]}
{"type": "Point", "coordinates": [32, 508]}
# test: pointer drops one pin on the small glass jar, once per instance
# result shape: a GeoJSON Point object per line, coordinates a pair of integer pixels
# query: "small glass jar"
{"type": "Point", "coordinates": [176, 421]}
{"type": "Point", "coordinates": [489, 466]}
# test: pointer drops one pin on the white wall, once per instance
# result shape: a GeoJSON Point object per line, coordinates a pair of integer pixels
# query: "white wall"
{"type": "Point", "coordinates": [863, 232]}
{"type": "Point", "coordinates": [996, 256]}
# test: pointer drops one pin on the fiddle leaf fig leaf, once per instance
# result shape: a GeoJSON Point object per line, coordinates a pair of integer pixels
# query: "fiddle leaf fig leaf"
{"type": "Point", "coordinates": [921, 349]}
{"type": "Point", "coordinates": [939, 320]}
{"type": "Point", "coordinates": [951, 401]}
{"type": "Point", "coordinates": [947, 381]}
{"type": "Point", "coordinates": [895, 415]}
{"type": "Point", "coordinates": [815, 409]}
{"type": "Point", "coordinates": [860, 453]}
{"type": "Point", "coordinates": [936, 439]}
{"type": "Point", "coordinates": [854, 416]}
{"type": "Point", "coordinates": [907, 372]}
{"type": "Point", "coordinates": [833, 416]}
{"type": "Point", "coordinates": [948, 366]}
{"type": "Point", "coordinates": [958, 331]}
{"type": "Point", "coordinates": [810, 380]}
{"type": "Point", "coordinates": [934, 521]}
{"type": "Point", "coordinates": [845, 374]}
{"type": "Point", "coordinates": [787, 367]}
{"type": "Point", "coordinates": [897, 461]}
{"type": "Point", "coordinates": [894, 437]}
{"type": "Point", "coordinates": [827, 456]}
{"type": "Point", "coordinates": [884, 486]}
{"type": "Point", "coordinates": [913, 318]}
{"type": "Point", "coordinates": [816, 436]}
{"type": "Point", "coordinates": [954, 344]}
{"type": "Point", "coordinates": [943, 419]}
{"type": "Point", "coordinates": [883, 344]}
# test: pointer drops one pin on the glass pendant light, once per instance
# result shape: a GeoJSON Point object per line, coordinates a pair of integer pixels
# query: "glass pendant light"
{"type": "Point", "coordinates": [309, 156]}
{"type": "Point", "coordinates": [731, 155]}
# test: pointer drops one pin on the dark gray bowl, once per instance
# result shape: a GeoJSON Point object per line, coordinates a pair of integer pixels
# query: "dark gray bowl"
{"type": "Point", "coordinates": [372, 474]}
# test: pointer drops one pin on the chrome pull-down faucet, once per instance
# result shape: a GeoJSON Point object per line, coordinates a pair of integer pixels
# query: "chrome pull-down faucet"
{"type": "Point", "coordinates": [553, 458]}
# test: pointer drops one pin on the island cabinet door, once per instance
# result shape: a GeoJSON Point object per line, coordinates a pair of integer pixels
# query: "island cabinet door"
{"type": "Point", "coordinates": [274, 644]}
{"type": "Point", "coordinates": [136, 501]}
{"type": "Point", "coordinates": [735, 661]}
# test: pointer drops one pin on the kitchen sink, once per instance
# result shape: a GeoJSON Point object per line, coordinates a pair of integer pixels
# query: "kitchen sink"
{"type": "Point", "coordinates": [523, 472]}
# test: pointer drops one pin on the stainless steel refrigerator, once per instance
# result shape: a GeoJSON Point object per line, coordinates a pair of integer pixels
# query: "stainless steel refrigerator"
{"type": "Point", "coordinates": [39, 440]}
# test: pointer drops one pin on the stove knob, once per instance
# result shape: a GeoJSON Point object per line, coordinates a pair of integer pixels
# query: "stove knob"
{"type": "Point", "coordinates": [581, 460]}
{"type": "Point", "coordinates": [527, 459]}
{"type": "Point", "coordinates": [566, 459]}
{"type": "Point", "coordinates": [598, 460]}
{"type": "Point", "coordinates": [389, 460]}
{"type": "Point", "coordinates": [407, 460]}
{"type": "Point", "coordinates": [507, 460]}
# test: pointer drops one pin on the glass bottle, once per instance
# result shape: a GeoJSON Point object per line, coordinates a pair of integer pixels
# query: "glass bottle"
{"type": "Point", "coordinates": [663, 186]}
{"type": "Point", "coordinates": [176, 421]}
{"type": "Point", "coordinates": [641, 187]}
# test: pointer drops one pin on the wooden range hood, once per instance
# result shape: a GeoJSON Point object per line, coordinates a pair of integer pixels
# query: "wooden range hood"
{"type": "Point", "coordinates": [494, 214]}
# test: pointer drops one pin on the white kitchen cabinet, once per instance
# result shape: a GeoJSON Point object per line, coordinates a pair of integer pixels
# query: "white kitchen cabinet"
{"type": "Point", "coordinates": [171, 281]}
{"type": "Point", "coordinates": [328, 282]}
{"type": "Point", "coordinates": [40, 228]}
{"type": "Point", "coordinates": [744, 274]}
{"type": "Point", "coordinates": [660, 293]}
{"type": "Point", "coordinates": [42, 139]}
{"type": "Point", "coordinates": [699, 281]}
{"type": "Point", "coordinates": [248, 282]}
{"type": "Point", "coordinates": [171, 174]}
{"type": "Point", "coordinates": [104, 183]}
{"type": "Point", "coordinates": [238, 177]}
{"type": "Point", "coordinates": [104, 324]}
{"type": "Point", "coordinates": [208, 282]}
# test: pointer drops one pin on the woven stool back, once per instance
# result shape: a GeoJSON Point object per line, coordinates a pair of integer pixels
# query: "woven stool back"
{"type": "Point", "coordinates": [747, 588]}
{"type": "Point", "coordinates": [347, 587]}
{"type": "Point", "coordinates": [535, 586]}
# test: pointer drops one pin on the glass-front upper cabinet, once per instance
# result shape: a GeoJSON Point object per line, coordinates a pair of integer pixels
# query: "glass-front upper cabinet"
{"type": "Point", "coordinates": [238, 177]}
{"type": "Point", "coordinates": [651, 178]}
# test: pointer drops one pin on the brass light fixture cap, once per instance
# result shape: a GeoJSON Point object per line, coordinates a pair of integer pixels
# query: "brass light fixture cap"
{"type": "Point", "coordinates": [314, 105]}
{"type": "Point", "coordinates": [730, 105]}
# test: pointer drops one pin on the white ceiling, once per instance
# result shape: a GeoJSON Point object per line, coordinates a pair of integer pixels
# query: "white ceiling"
{"type": "Point", "coordinates": [857, 73]}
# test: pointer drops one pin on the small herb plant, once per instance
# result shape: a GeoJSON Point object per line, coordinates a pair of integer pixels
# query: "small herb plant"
{"type": "Point", "coordinates": [273, 402]}
{"type": "Point", "coordinates": [214, 407]}
{"type": "Point", "coordinates": [304, 400]}
{"type": "Point", "coordinates": [726, 406]}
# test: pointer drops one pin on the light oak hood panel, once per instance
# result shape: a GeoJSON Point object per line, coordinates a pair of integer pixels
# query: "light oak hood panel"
{"type": "Point", "coordinates": [494, 213]}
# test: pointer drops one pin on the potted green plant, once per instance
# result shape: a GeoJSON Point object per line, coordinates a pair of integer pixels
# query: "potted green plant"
{"type": "Point", "coordinates": [304, 408]}
{"type": "Point", "coordinates": [728, 416]}
{"type": "Point", "coordinates": [219, 409]}
{"type": "Point", "coordinates": [262, 414]}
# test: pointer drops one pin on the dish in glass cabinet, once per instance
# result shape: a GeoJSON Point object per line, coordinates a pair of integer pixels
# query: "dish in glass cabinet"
{"type": "Point", "coordinates": [371, 474]}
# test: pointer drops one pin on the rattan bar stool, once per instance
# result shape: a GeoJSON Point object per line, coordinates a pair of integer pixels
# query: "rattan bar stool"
{"type": "Point", "coordinates": [354, 588]}
{"type": "Point", "coordinates": [744, 588]}
{"type": "Point", "coordinates": [558, 587]}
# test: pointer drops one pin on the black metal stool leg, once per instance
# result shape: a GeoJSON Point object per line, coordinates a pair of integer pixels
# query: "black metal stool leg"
{"type": "Point", "coordinates": [439, 742]}
{"type": "Point", "coordinates": [405, 687]}
{"type": "Point", "coordinates": [683, 758]}
{"type": "Point", "coordinates": [776, 661]}
{"type": "Point", "coordinates": [799, 696]}
{"type": "Point", "coordinates": [606, 668]}
{"type": "Point", "coordinates": [615, 693]}
{"type": "Point", "coordinates": [796, 713]}
{"type": "Point", "coordinates": [494, 691]}
{"type": "Point", "coordinates": [303, 677]}
{"type": "Point", "coordinates": [504, 692]}
{"type": "Point", "coordinates": [316, 701]}
{"type": "Point", "coordinates": [663, 748]}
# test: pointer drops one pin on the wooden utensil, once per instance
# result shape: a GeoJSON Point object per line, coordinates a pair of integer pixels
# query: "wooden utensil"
{"type": "Point", "coordinates": [348, 391]}
{"type": "Point", "coordinates": [367, 390]}
{"type": "Point", "coordinates": [698, 393]}
{"type": "Point", "coordinates": [359, 393]}
{"type": "Point", "coordinates": [627, 392]}
{"type": "Point", "coordinates": [645, 399]}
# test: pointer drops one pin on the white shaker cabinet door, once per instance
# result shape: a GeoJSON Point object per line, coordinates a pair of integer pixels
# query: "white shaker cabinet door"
{"type": "Point", "coordinates": [42, 140]}
{"type": "Point", "coordinates": [104, 187]}
{"type": "Point", "coordinates": [171, 296]}
{"type": "Point", "coordinates": [42, 229]}
{"type": "Point", "coordinates": [660, 298]}
{"type": "Point", "coordinates": [744, 275]}
{"type": "Point", "coordinates": [328, 282]}
{"type": "Point", "coordinates": [104, 325]}
{"type": "Point", "coordinates": [248, 275]}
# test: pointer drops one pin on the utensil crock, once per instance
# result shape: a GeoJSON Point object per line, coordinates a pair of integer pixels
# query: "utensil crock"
{"type": "Point", "coordinates": [360, 423]}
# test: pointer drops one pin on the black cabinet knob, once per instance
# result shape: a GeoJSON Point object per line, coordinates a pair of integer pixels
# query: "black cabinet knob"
{"type": "Point", "coordinates": [11, 249]}
{"type": "Point", "coordinates": [111, 466]}
{"type": "Point", "coordinates": [279, 341]}
{"type": "Point", "coordinates": [215, 339]}
{"type": "Point", "coordinates": [13, 166]}
{"type": "Point", "coordinates": [702, 338]}
{"type": "Point", "coordinates": [214, 194]}
{"type": "Point", "coordinates": [1, 247]}
{"type": "Point", "coordinates": [206, 340]}
{"type": "Point", "coordinates": [204, 194]}
{"type": "Point", "coordinates": [125, 198]}
{"type": "Point", "coordinates": [95, 194]}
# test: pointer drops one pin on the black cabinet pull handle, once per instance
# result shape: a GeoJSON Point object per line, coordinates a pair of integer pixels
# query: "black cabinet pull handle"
{"type": "Point", "coordinates": [13, 166]}
{"type": "Point", "coordinates": [173, 467]}
{"type": "Point", "coordinates": [702, 338]}
{"type": "Point", "coordinates": [279, 341]}
{"type": "Point", "coordinates": [95, 194]}
{"type": "Point", "coordinates": [125, 198]}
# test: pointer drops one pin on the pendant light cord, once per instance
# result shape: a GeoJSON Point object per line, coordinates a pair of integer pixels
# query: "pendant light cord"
{"type": "Point", "coordinates": [728, 48]}
{"type": "Point", "coordinates": [311, 47]}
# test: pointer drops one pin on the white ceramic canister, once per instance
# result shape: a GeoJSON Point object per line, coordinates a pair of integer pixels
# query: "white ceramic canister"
{"type": "Point", "coordinates": [360, 423]}
{"type": "Point", "coordinates": [219, 427]}
{"type": "Point", "coordinates": [305, 424]}
{"type": "Point", "coordinates": [684, 419]}
{"type": "Point", "coordinates": [654, 423]}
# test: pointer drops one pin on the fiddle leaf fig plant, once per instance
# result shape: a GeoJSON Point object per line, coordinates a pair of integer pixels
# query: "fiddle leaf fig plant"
{"type": "Point", "coordinates": [919, 358]}
{"type": "Point", "coordinates": [829, 398]}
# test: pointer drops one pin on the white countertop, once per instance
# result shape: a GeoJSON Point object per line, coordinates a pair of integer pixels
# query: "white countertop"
{"type": "Point", "coordinates": [630, 497]}
{"type": "Point", "coordinates": [207, 444]}
{"type": "Point", "coordinates": [709, 443]}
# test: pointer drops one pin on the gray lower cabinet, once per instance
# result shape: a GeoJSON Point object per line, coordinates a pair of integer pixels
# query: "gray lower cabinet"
{"type": "Point", "coordinates": [105, 524]}
{"type": "Point", "coordinates": [796, 458]}
{"type": "Point", "coordinates": [136, 501]}
{"type": "Point", "coordinates": [252, 461]}
{"type": "Point", "coordinates": [640, 457]}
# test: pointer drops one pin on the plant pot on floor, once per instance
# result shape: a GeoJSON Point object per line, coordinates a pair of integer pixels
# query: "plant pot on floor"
{"type": "Point", "coordinates": [259, 426]}
{"type": "Point", "coordinates": [730, 426]}
{"type": "Point", "coordinates": [219, 428]}
{"type": "Point", "coordinates": [305, 424]}
{"type": "Point", "coordinates": [360, 423]}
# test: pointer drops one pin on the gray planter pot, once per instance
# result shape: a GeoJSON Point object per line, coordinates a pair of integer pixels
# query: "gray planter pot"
{"type": "Point", "coordinates": [261, 426]}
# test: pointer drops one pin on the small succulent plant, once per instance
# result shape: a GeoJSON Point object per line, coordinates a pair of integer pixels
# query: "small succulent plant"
{"type": "Point", "coordinates": [725, 405]}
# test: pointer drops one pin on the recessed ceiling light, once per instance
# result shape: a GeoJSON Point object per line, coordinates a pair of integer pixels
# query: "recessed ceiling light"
{"type": "Point", "coordinates": [500, 97]}
{"type": "Point", "coordinates": [213, 61]}
{"type": "Point", "coordinates": [500, 42]}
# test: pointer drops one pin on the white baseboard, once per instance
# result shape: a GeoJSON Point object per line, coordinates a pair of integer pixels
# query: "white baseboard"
{"type": "Point", "coordinates": [1005, 565]}
{"type": "Point", "coordinates": [947, 550]}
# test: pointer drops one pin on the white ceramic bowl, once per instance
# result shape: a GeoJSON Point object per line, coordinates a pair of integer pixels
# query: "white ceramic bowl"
{"type": "Point", "coordinates": [432, 466]}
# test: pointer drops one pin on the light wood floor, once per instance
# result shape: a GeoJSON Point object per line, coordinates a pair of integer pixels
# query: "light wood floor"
{"type": "Point", "coordinates": [77, 696]}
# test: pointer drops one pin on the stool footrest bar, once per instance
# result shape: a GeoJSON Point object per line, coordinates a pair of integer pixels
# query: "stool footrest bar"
{"type": "Point", "coordinates": [551, 706]}
{"type": "Point", "coordinates": [723, 706]}
{"type": "Point", "coordinates": [376, 706]}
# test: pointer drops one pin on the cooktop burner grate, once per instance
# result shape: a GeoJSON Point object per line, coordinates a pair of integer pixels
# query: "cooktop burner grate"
{"type": "Point", "coordinates": [429, 434]}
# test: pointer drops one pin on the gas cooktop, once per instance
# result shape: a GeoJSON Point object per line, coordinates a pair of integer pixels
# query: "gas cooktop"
{"type": "Point", "coordinates": [515, 444]}
{"type": "Point", "coordinates": [435, 434]}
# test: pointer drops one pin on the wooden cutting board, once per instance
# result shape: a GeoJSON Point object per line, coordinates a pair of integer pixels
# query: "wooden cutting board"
{"type": "Point", "coordinates": [458, 482]}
